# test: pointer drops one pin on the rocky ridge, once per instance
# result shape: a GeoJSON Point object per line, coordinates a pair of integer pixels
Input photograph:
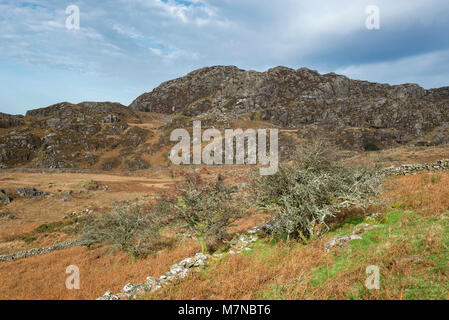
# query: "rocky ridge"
{"type": "Point", "coordinates": [10, 121]}
{"type": "Point", "coordinates": [303, 103]}
{"type": "Point", "coordinates": [356, 111]}
{"type": "Point", "coordinates": [66, 135]}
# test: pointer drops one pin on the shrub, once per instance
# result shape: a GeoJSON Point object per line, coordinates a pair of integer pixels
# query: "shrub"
{"type": "Point", "coordinates": [204, 209]}
{"type": "Point", "coordinates": [313, 188]}
{"type": "Point", "coordinates": [130, 228]}
{"type": "Point", "coordinates": [370, 146]}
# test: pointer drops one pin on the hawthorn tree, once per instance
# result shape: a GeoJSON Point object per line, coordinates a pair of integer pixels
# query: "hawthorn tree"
{"type": "Point", "coordinates": [205, 209]}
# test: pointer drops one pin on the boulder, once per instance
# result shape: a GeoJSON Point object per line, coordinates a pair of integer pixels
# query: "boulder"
{"type": "Point", "coordinates": [340, 242]}
{"type": "Point", "coordinates": [30, 192]}
{"type": "Point", "coordinates": [4, 198]}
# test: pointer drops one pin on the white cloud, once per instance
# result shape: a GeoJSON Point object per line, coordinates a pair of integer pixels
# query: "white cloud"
{"type": "Point", "coordinates": [127, 31]}
{"type": "Point", "coordinates": [145, 42]}
{"type": "Point", "coordinates": [431, 68]}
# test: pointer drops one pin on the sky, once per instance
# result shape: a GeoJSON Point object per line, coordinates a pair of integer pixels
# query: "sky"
{"type": "Point", "coordinates": [124, 48]}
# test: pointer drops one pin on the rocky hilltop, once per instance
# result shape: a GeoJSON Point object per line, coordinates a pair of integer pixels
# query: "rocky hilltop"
{"type": "Point", "coordinates": [357, 111]}
{"type": "Point", "coordinates": [68, 135]}
{"type": "Point", "coordinates": [9, 121]}
{"type": "Point", "coordinates": [303, 103]}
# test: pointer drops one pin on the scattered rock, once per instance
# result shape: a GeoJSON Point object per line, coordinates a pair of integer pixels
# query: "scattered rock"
{"type": "Point", "coordinates": [66, 193]}
{"type": "Point", "coordinates": [90, 185]}
{"type": "Point", "coordinates": [8, 215]}
{"type": "Point", "coordinates": [30, 193]}
{"type": "Point", "coordinates": [177, 272]}
{"type": "Point", "coordinates": [363, 227]}
{"type": "Point", "coordinates": [79, 214]}
{"type": "Point", "coordinates": [241, 243]}
{"type": "Point", "coordinates": [65, 199]}
{"type": "Point", "coordinates": [4, 197]}
{"type": "Point", "coordinates": [340, 242]}
{"type": "Point", "coordinates": [108, 296]}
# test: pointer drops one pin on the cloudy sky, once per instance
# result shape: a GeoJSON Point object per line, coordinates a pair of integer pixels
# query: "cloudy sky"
{"type": "Point", "coordinates": [126, 47]}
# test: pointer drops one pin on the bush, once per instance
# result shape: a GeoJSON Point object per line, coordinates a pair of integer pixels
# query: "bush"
{"type": "Point", "coordinates": [130, 228]}
{"type": "Point", "coordinates": [204, 209]}
{"type": "Point", "coordinates": [313, 188]}
{"type": "Point", "coordinates": [369, 146]}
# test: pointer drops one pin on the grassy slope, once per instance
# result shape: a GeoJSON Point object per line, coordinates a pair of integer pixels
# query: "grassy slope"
{"type": "Point", "coordinates": [409, 227]}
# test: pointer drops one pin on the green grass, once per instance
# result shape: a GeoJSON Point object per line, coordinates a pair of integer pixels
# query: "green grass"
{"type": "Point", "coordinates": [400, 233]}
{"type": "Point", "coordinates": [398, 226]}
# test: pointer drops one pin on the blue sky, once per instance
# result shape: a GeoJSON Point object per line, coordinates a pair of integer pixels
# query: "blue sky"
{"type": "Point", "coordinates": [126, 47]}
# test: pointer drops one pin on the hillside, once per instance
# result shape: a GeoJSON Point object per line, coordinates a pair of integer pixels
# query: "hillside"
{"type": "Point", "coordinates": [302, 103]}
{"type": "Point", "coordinates": [408, 241]}
{"type": "Point", "coordinates": [406, 237]}
{"type": "Point", "coordinates": [356, 112]}
{"type": "Point", "coordinates": [91, 184]}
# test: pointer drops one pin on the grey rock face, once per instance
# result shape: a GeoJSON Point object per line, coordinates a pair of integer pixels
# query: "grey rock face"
{"type": "Point", "coordinates": [68, 110]}
{"type": "Point", "coordinates": [298, 98]}
{"type": "Point", "coordinates": [10, 121]}
{"type": "Point", "coordinates": [18, 146]}
{"type": "Point", "coordinates": [111, 118]}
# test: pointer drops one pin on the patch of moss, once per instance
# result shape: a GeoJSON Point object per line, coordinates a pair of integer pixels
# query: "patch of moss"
{"type": "Point", "coordinates": [370, 146]}
{"type": "Point", "coordinates": [51, 227]}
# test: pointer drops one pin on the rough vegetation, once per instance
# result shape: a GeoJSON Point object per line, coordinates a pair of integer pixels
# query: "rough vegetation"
{"type": "Point", "coordinates": [131, 228]}
{"type": "Point", "coordinates": [406, 238]}
{"type": "Point", "coordinates": [315, 187]}
{"type": "Point", "coordinates": [204, 210]}
{"type": "Point", "coordinates": [408, 241]}
{"type": "Point", "coordinates": [307, 232]}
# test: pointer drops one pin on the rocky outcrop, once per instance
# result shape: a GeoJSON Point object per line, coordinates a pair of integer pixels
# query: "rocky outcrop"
{"type": "Point", "coordinates": [356, 110]}
{"type": "Point", "coordinates": [67, 135]}
{"type": "Point", "coordinates": [30, 193]}
{"type": "Point", "coordinates": [18, 147]}
{"type": "Point", "coordinates": [10, 121]}
{"type": "Point", "coordinates": [93, 109]}
{"type": "Point", "coordinates": [229, 89]}
{"type": "Point", "coordinates": [4, 198]}
{"type": "Point", "coordinates": [357, 115]}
